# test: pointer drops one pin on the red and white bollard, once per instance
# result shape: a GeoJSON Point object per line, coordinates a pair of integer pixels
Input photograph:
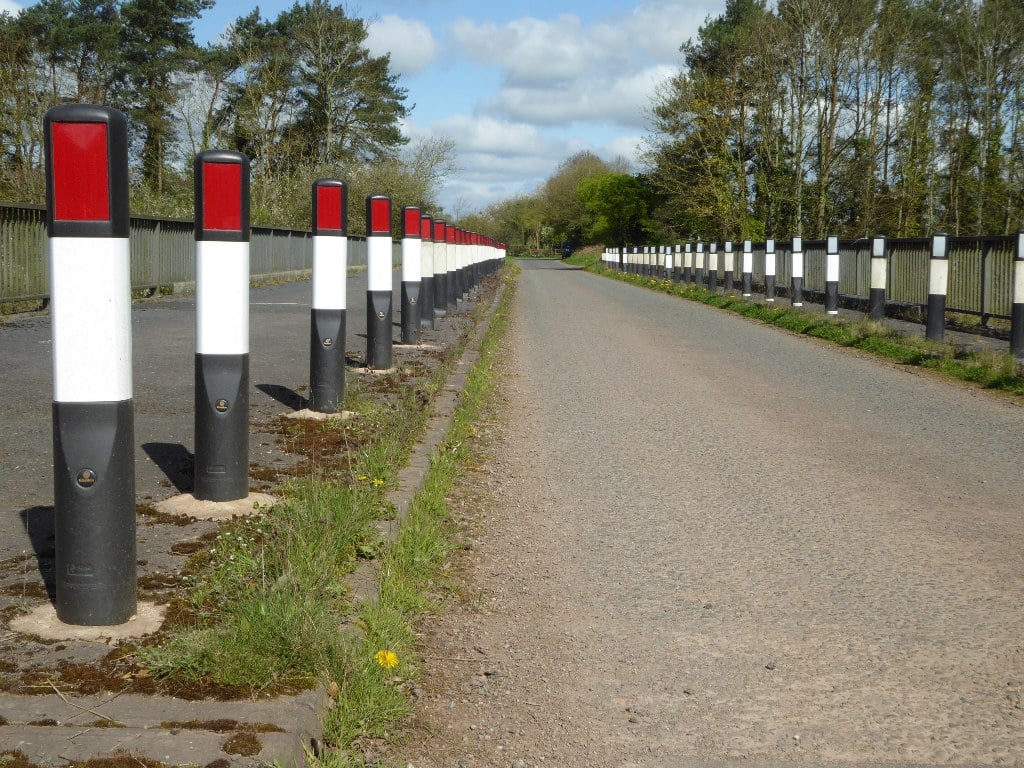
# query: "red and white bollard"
{"type": "Point", "coordinates": [426, 271]}
{"type": "Point", "coordinates": [222, 326]}
{"type": "Point", "coordinates": [378, 289]}
{"type": "Point", "coordinates": [86, 149]}
{"type": "Point", "coordinates": [411, 265]}
{"type": "Point", "coordinates": [330, 296]}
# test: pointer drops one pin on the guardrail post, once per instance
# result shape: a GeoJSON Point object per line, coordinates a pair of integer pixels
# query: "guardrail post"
{"type": "Point", "coordinates": [440, 270]}
{"type": "Point", "coordinates": [938, 281]}
{"type": "Point", "coordinates": [748, 268]}
{"type": "Point", "coordinates": [86, 150]}
{"type": "Point", "coordinates": [879, 278]}
{"type": "Point", "coordinates": [797, 297]}
{"type": "Point", "coordinates": [769, 269]}
{"type": "Point", "coordinates": [222, 326]}
{"type": "Point", "coordinates": [1017, 310]}
{"type": "Point", "coordinates": [330, 294]}
{"type": "Point", "coordinates": [832, 275]}
{"type": "Point", "coordinates": [426, 271]}
{"type": "Point", "coordinates": [729, 281]}
{"type": "Point", "coordinates": [412, 255]}
{"type": "Point", "coordinates": [378, 283]}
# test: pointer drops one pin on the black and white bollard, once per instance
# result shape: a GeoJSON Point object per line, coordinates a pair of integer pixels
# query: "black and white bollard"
{"type": "Point", "coordinates": [713, 267]}
{"type": "Point", "coordinates": [86, 150]}
{"type": "Point", "coordinates": [797, 256]}
{"type": "Point", "coordinates": [769, 269]}
{"type": "Point", "coordinates": [426, 272]}
{"type": "Point", "coordinates": [440, 270]}
{"type": "Point", "coordinates": [222, 326]}
{"type": "Point", "coordinates": [832, 275]}
{"type": "Point", "coordinates": [1017, 310]}
{"type": "Point", "coordinates": [698, 265]}
{"type": "Point", "coordinates": [729, 267]}
{"type": "Point", "coordinates": [938, 281]}
{"type": "Point", "coordinates": [687, 263]}
{"type": "Point", "coordinates": [379, 337]}
{"type": "Point", "coordinates": [879, 278]}
{"type": "Point", "coordinates": [748, 269]}
{"type": "Point", "coordinates": [327, 313]}
{"type": "Point", "coordinates": [412, 254]}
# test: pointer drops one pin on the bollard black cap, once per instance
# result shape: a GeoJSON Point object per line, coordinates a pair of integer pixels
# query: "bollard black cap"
{"type": "Point", "coordinates": [222, 196]}
{"type": "Point", "coordinates": [1019, 255]}
{"type": "Point", "coordinates": [330, 207]}
{"type": "Point", "coordinates": [86, 149]}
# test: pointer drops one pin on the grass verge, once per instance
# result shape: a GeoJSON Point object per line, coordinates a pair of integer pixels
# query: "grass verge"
{"type": "Point", "coordinates": [412, 574]}
{"type": "Point", "coordinates": [992, 370]}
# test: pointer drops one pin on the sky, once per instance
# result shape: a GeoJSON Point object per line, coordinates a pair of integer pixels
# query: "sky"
{"type": "Point", "coordinates": [518, 86]}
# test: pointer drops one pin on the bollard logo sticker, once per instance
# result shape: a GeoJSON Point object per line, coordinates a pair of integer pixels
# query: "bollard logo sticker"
{"type": "Point", "coordinates": [221, 405]}
{"type": "Point", "coordinates": [86, 478]}
{"type": "Point", "coordinates": [328, 341]}
{"type": "Point", "coordinates": [80, 569]}
{"type": "Point", "coordinates": [412, 299]}
{"type": "Point", "coordinates": [380, 315]}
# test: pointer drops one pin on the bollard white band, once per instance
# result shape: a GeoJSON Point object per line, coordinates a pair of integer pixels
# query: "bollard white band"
{"type": "Point", "coordinates": [798, 263]}
{"type": "Point", "coordinates": [1018, 282]}
{"type": "Point", "coordinates": [411, 256]}
{"type": "Point", "coordinates": [426, 259]}
{"type": "Point", "coordinates": [222, 298]}
{"type": "Point", "coordinates": [832, 267]}
{"type": "Point", "coordinates": [88, 305]}
{"type": "Point", "coordinates": [378, 263]}
{"type": "Point", "coordinates": [748, 260]}
{"type": "Point", "coordinates": [938, 277]}
{"type": "Point", "coordinates": [330, 272]}
{"type": "Point", "coordinates": [878, 273]}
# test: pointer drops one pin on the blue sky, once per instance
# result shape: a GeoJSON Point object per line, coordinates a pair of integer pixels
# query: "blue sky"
{"type": "Point", "coordinates": [517, 86]}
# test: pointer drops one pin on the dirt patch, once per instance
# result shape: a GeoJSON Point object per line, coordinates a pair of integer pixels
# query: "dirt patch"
{"type": "Point", "coordinates": [244, 743]}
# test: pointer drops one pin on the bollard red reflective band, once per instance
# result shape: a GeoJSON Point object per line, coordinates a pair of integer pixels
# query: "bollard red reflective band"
{"type": "Point", "coordinates": [426, 227]}
{"type": "Point", "coordinates": [378, 215]}
{"type": "Point", "coordinates": [222, 196]}
{"type": "Point", "coordinates": [449, 234]}
{"type": "Point", "coordinates": [411, 222]}
{"type": "Point", "coordinates": [328, 208]}
{"type": "Point", "coordinates": [81, 184]}
{"type": "Point", "coordinates": [439, 228]}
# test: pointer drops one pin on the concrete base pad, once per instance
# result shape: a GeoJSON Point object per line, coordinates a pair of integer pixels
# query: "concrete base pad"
{"type": "Point", "coordinates": [189, 505]}
{"type": "Point", "coordinates": [311, 415]}
{"type": "Point", "coordinates": [43, 622]}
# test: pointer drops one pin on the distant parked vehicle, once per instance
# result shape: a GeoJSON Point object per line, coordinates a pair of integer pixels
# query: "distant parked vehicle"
{"type": "Point", "coordinates": [566, 250]}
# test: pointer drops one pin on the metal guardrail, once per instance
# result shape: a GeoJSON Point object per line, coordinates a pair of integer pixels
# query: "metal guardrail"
{"type": "Point", "coordinates": [162, 252]}
{"type": "Point", "coordinates": [980, 272]}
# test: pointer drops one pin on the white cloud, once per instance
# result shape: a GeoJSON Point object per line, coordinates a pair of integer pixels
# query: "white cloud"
{"type": "Point", "coordinates": [409, 41]}
{"type": "Point", "coordinates": [623, 100]}
{"type": "Point", "coordinates": [9, 6]}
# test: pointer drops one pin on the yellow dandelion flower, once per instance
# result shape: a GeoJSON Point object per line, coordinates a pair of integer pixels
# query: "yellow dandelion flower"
{"type": "Point", "coordinates": [387, 658]}
{"type": "Point", "coordinates": [362, 478]}
{"type": "Point", "coordinates": [378, 482]}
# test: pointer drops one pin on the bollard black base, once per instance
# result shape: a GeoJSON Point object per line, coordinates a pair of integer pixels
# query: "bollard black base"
{"type": "Point", "coordinates": [748, 284]}
{"type": "Point", "coordinates": [769, 288]}
{"type": "Point", "coordinates": [935, 322]}
{"type": "Point", "coordinates": [1017, 330]}
{"type": "Point", "coordinates": [798, 292]}
{"type": "Point", "coordinates": [452, 290]}
{"type": "Point", "coordinates": [440, 294]}
{"type": "Point", "coordinates": [698, 276]}
{"type": "Point", "coordinates": [410, 313]}
{"type": "Point", "coordinates": [222, 428]}
{"type": "Point", "coordinates": [378, 330]}
{"type": "Point", "coordinates": [876, 303]}
{"type": "Point", "coordinates": [832, 297]}
{"type": "Point", "coordinates": [427, 302]}
{"type": "Point", "coordinates": [94, 512]}
{"type": "Point", "coordinates": [327, 360]}
{"type": "Point", "coordinates": [712, 279]}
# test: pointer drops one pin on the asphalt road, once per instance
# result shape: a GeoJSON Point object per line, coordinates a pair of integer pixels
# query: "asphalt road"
{"type": "Point", "coordinates": [163, 368]}
{"type": "Point", "coordinates": [715, 541]}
